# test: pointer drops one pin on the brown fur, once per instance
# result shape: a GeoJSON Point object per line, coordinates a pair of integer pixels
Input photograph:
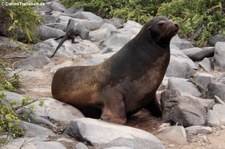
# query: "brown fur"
{"type": "Point", "coordinates": [124, 83]}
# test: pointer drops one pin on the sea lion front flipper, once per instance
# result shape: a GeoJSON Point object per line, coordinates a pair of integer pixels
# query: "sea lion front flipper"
{"type": "Point", "coordinates": [114, 107]}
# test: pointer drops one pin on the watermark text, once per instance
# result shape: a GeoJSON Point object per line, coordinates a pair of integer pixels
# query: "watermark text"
{"type": "Point", "coordinates": [22, 4]}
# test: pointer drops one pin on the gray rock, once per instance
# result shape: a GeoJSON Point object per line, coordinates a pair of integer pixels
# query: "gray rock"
{"type": "Point", "coordinates": [81, 145]}
{"type": "Point", "coordinates": [182, 110]}
{"type": "Point", "coordinates": [214, 39]}
{"type": "Point", "coordinates": [181, 43]}
{"type": "Point", "coordinates": [191, 51]}
{"type": "Point", "coordinates": [87, 15]}
{"type": "Point", "coordinates": [56, 6]}
{"type": "Point", "coordinates": [47, 145]}
{"type": "Point", "coordinates": [13, 97]}
{"type": "Point", "coordinates": [99, 35]}
{"type": "Point", "coordinates": [217, 89]}
{"type": "Point", "coordinates": [46, 47]}
{"type": "Point", "coordinates": [109, 27]}
{"type": "Point", "coordinates": [32, 62]}
{"type": "Point", "coordinates": [216, 117]}
{"type": "Point", "coordinates": [85, 47]}
{"type": "Point", "coordinates": [197, 54]}
{"type": "Point", "coordinates": [102, 134]}
{"type": "Point", "coordinates": [206, 64]}
{"type": "Point", "coordinates": [213, 119]}
{"type": "Point", "coordinates": [29, 116]}
{"type": "Point", "coordinates": [180, 65]}
{"type": "Point", "coordinates": [194, 130]}
{"type": "Point", "coordinates": [68, 49]}
{"type": "Point", "coordinates": [16, 143]}
{"type": "Point", "coordinates": [29, 143]}
{"type": "Point", "coordinates": [72, 10]}
{"type": "Point", "coordinates": [219, 56]}
{"type": "Point", "coordinates": [118, 23]}
{"type": "Point", "coordinates": [207, 103]}
{"type": "Point", "coordinates": [116, 41]}
{"type": "Point", "coordinates": [132, 24]}
{"type": "Point", "coordinates": [45, 32]}
{"type": "Point", "coordinates": [7, 43]}
{"type": "Point", "coordinates": [183, 86]}
{"type": "Point", "coordinates": [61, 26]}
{"type": "Point", "coordinates": [95, 59]}
{"type": "Point", "coordinates": [174, 134]}
{"type": "Point", "coordinates": [50, 19]}
{"type": "Point", "coordinates": [56, 110]}
{"type": "Point", "coordinates": [37, 131]}
{"type": "Point", "coordinates": [88, 24]}
{"type": "Point", "coordinates": [202, 80]}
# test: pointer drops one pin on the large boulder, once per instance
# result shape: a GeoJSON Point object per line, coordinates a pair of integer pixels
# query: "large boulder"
{"type": "Point", "coordinates": [219, 56]}
{"type": "Point", "coordinates": [217, 89]}
{"type": "Point", "coordinates": [198, 54]}
{"type": "Point", "coordinates": [214, 39]}
{"type": "Point", "coordinates": [55, 110]}
{"type": "Point", "coordinates": [206, 64]}
{"type": "Point", "coordinates": [99, 35]}
{"type": "Point", "coordinates": [95, 59]}
{"type": "Point", "coordinates": [33, 62]}
{"type": "Point", "coordinates": [183, 86]}
{"type": "Point", "coordinates": [37, 131]}
{"type": "Point", "coordinates": [216, 116]}
{"type": "Point", "coordinates": [87, 15]}
{"type": "Point", "coordinates": [104, 135]}
{"type": "Point", "coordinates": [117, 40]}
{"type": "Point", "coordinates": [174, 134]}
{"type": "Point", "coordinates": [181, 43]}
{"type": "Point", "coordinates": [33, 143]}
{"type": "Point", "coordinates": [182, 110]}
{"type": "Point", "coordinates": [180, 65]}
{"type": "Point", "coordinates": [88, 24]}
{"type": "Point", "coordinates": [56, 6]}
{"type": "Point", "coordinates": [68, 49]}
{"type": "Point", "coordinates": [45, 32]}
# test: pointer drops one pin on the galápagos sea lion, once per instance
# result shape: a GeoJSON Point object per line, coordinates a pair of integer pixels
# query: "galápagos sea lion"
{"type": "Point", "coordinates": [124, 83]}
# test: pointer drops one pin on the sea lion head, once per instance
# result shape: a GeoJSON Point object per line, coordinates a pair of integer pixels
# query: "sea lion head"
{"type": "Point", "coordinates": [161, 30]}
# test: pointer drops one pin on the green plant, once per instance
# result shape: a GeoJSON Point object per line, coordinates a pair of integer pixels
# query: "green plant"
{"type": "Point", "coordinates": [198, 19]}
{"type": "Point", "coordinates": [8, 83]}
{"type": "Point", "coordinates": [21, 18]}
{"type": "Point", "coordinates": [9, 121]}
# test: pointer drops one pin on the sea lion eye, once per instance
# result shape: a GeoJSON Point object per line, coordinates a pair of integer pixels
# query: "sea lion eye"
{"type": "Point", "coordinates": [161, 22]}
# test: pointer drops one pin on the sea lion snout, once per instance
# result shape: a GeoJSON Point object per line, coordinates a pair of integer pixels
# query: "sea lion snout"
{"type": "Point", "coordinates": [168, 28]}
